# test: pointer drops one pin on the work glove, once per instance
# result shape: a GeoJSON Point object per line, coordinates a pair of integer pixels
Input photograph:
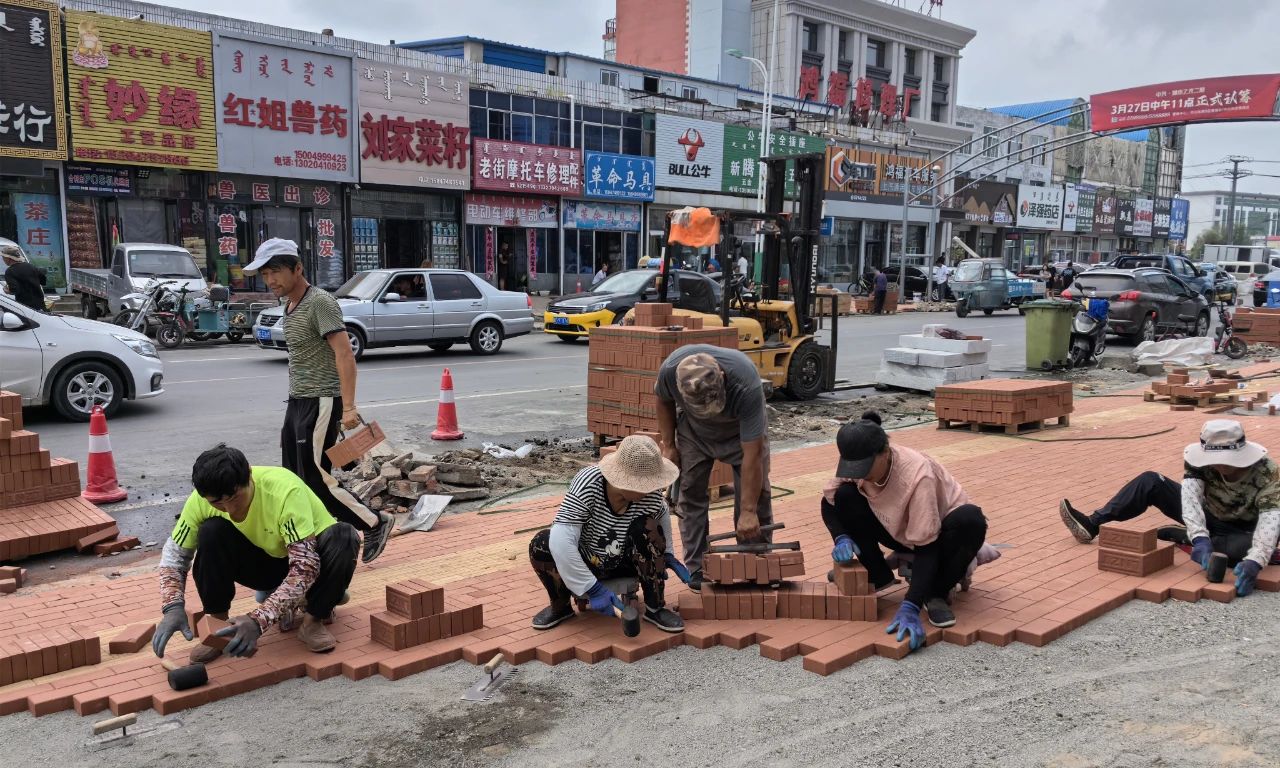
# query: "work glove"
{"type": "Point", "coordinates": [602, 599]}
{"type": "Point", "coordinates": [676, 567]}
{"type": "Point", "coordinates": [1201, 548]}
{"type": "Point", "coordinates": [845, 550]}
{"type": "Point", "coordinates": [244, 633]}
{"type": "Point", "coordinates": [174, 620]}
{"type": "Point", "coordinates": [1246, 576]}
{"type": "Point", "coordinates": [906, 622]}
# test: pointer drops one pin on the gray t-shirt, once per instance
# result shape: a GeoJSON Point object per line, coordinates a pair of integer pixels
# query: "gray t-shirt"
{"type": "Point", "coordinates": [744, 415]}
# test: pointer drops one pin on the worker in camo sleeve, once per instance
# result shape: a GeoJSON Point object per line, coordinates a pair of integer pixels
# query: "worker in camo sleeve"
{"type": "Point", "coordinates": [261, 527]}
{"type": "Point", "coordinates": [1228, 504]}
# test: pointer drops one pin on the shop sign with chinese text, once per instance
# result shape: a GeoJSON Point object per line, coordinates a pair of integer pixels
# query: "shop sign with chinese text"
{"type": "Point", "coordinates": [1087, 205]}
{"type": "Point", "coordinates": [140, 93]}
{"type": "Point", "coordinates": [511, 211]}
{"type": "Point", "coordinates": [1160, 218]}
{"type": "Point", "coordinates": [284, 111]}
{"type": "Point", "coordinates": [33, 116]}
{"type": "Point", "coordinates": [1179, 210]}
{"type": "Point", "coordinates": [415, 126]}
{"type": "Point", "coordinates": [589, 214]}
{"type": "Point", "coordinates": [1070, 208]}
{"type": "Point", "coordinates": [742, 156]}
{"type": "Point", "coordinates": [510, 166]}
{"type": "Point", "coordinates": [40, 234]}
{"type": "Point", "coordinates": [986, 202]}
{"type": "Point", "coordinates": [1105, 213]}
{"type": "Point", "coordinates": [99, 180]}
{"type": "Point", "coordinates": [618, 177]}
{"type": "Point", "coordinates": [1214, 99]}
{"type": "Point", "coordinates": [268, 191]}
{"type": "Point", "coordinates": [1124, 217]}
{"type": "Point", "coordinates": [689, 153]}
{"type": "Point", "coordinates": [866, 176]}
{"type": "Point", "coordinates": [1143, 213]}
{"type": "Point", "coordinates": [1040, 207]}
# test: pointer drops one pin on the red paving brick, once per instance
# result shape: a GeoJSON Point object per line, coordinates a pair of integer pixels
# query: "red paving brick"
{"type": "Point", "coordinates": [1044, 585]}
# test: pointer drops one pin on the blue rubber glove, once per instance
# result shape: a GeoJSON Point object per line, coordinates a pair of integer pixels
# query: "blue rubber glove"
{"type": "Point", "coordinates": [602, 599]}
{"type": "Point", "coordinates": [1201, 548]}
{"type": "Point", "coordinates": [906, 622]}
{"type": "Point", "coordinates": [676, 567]}
{"type": "Point", "coordinates": [1246, 576]}
{"type": "Point", "coordinates": [845, 550]}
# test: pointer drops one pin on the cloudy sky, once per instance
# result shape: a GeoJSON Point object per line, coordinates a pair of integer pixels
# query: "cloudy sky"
{"type": "Point", "coordinates": [1025, 50]}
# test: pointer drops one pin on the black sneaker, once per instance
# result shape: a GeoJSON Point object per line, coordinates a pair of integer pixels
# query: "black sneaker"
{"type": "Point", "coordinates": [375, 540]}
{"type": "Point", "coordinates": [1081, 527]}
{"type": "Point", "coordinates": [552, 615]}
{"type": "Point", "coordinates": [1175, 533]}
{"type": "Point", "coordinates": [664, 619]}
{"type": "Point", "coordinates": [1217, 568]}
{"type": "Point", "coordinates": [940, 614]}
{"type": "Point", "coordinates": [695, 581]}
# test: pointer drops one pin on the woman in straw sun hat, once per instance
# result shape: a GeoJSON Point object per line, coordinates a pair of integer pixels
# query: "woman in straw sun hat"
{"type": "Point", "coordinates": [614, 521]}
{"type": "Point", "coordinates": [1228, 501]}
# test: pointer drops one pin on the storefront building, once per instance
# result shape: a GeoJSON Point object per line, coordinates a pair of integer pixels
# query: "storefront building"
{"type": "Point", "coordinates": [605, 227]}
{"type": "Point", "coordinates": [415, 167]}
{"type": "Point", "coordinates": [525, 183]}
{"type": "Point", "coordinates": [142, 135]}
{"type": "Point", "coordinates": [863, 190]}
{"type": "Point", "coordinates": [980, 216]}
{"type": "Point", "coordinates": [1039, 214]}
{"type": "Point", "coordinates": [288, 144]}
{"type": "Point", "coordinates": [33, 136]}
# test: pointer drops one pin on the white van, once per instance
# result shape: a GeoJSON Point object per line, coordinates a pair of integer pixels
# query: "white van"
{"type": "Point", "coordinates": [1245, 271]}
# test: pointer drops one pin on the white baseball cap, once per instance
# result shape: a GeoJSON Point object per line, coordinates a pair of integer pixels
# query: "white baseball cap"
{"type": "Point", "coordinates": [276, 246]}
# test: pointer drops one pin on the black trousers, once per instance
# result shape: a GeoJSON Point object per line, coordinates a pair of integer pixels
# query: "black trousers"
{"type": "Point", "coordinates": [225, 558]}
{"type": "Point", "coordinates": [937, 567]}
{"type": "Point", "coordinates": [1152, 489]}
{"type": "Point", "coordinates": [311, 428]}
{"type": "Point", "coordinates": [646, 548]}
{"type": "Point", "coordinates": [878, 307]}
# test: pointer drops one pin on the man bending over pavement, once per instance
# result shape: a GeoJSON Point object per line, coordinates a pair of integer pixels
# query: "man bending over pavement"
{"type": "Point", "coordinates": [711, 406]}
{"type": "Point", "coordinates": [263, 528]}
{"type": "Point", "coordinates": [1228, 501]}
{"type": "Point", "coordinates": [903, 499]}
{"type": "Point", "coordinates": [613, 522]}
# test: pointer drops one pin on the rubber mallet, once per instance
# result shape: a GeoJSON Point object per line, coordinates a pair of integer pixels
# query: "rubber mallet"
{"type": "Point", "coordinates": [181, 678]}
{"type": "Point", "coordinates": [630, 619]}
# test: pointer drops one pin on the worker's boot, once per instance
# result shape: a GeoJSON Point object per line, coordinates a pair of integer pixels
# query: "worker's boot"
{"type": "Point", "coordinates": [1082, 528]}
{"type": "Point", "coordinates": [664, 619]}
{"type": "Point", "coordinates": [695, 580]}
{"type": "Point", "coordinates": [940, 613]}
{"type": "Point", "coordinates": [316, 636]}
{"type": "Point", "coordinates": [552, 615]}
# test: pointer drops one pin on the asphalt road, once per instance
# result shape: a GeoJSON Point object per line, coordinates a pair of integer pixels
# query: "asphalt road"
{"type": "Point", "coordinates": [535, 387]}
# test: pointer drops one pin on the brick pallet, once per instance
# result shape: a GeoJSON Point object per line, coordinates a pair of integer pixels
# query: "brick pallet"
{"type": "Point", "coordinates": [825, 297]}
{"type": "Point", "coordinates": [863, 305]}
{"type": "Point", "coordinates": [924, 361]}
{"type": "Point", "coordinates": [1218, 388]}
{"type": "Point", "coordinates": [1008, 403]}
{"type": "Point", "coordinates": [1259, 325]}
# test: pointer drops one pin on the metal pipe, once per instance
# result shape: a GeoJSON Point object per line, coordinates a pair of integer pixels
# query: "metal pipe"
{"type": "Point", "coordinates": [1082, 109]}
{"type": "Point", "coordinates": [573, 135]}
{"type": "Point", "coordinates": [1051, 144]}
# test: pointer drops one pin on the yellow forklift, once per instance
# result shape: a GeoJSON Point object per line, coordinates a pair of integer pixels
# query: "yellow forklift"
{"type": "Point", "coordinates": [777, 334]}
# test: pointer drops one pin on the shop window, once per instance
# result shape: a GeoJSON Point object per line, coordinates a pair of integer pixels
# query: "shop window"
{"type": "Point", "coordinates": [688, 92]}
{"type": "Point", "coordinates": [875, 53]}
{"type": "Point", "coordinates": [611, 140]}
{"type": "Point", "coordinates": [609, 77]}
{"type": "Point", "coordinates": [446, 287]}
{"type": "Point", "coordinates": [810, 36]}
{"type": "Point", "coordinates": [522, 128]}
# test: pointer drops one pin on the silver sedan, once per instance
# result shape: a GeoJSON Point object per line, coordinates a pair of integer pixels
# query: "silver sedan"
{"type": "Point", "coordinates": [436, 307]}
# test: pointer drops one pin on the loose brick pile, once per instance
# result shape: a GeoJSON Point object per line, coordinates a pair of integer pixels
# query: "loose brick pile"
{"type": "Point", "coordinates": [806, 600]}
{"type": "Point", "coordinates": [1045, 584]}
{"type": "Point", "coordinates": [41, 509]}
{"type": "Point", "coordinates": [1132, 548]}
{"type": "Point", "coordinates": [1257, 325]}
{"type": "Point", "coordinates": [1218, 387]}
{"type": "Point", "coordinates": [11, 578]}
{"type": "Point", "coordinates": [751, 568]}
{"type": "Point", "coordinates": [415, 615]}
{"type": "Point", "coordinates": [1007, 403]}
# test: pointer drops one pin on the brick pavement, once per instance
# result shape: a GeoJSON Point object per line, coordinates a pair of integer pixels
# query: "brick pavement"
{"type": "Point", "coordinates": [1044, 586]}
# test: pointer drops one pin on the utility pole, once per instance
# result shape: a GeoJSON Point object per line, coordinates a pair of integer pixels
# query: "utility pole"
{"type": "Point", "coordinates": [1235, 175]}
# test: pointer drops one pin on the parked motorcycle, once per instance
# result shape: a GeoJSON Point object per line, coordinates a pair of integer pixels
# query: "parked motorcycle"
{"type": "Point", "coordinates": [1225, 340]}
{"type": "Point", "coordinates": [140, 309]}
{"type": "Point", "coordinates": [1089, 333]}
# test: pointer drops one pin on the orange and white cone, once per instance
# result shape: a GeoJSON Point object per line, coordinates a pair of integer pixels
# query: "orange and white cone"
{"type": "Point", "coordinates": [447, 413]}
{"type": "Point", "coordinates": [578, 287]}
{"type": "Point", "coordinates": [102, 487]}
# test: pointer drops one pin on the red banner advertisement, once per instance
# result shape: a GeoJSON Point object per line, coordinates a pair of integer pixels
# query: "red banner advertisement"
{"type": "Point", "coordinates": [510, 166]}
{"type": "Point", "coordinates": [531, 245]}
{"type": "Point", "coordinates": [490, 251]}
{"type": "Point", "coordinates": [1242, 97]}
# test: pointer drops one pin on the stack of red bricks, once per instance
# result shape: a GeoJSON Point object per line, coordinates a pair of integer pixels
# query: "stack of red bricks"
{"type": "Point", "coordinates": [11, 578]}
{"type": "Point", "coordinates": [1260, 325]}
{"type": "Point", "coordinates": [623, 362]}
{"type": "Point", "coordinates": [41, 509]}
{"type": "Point", "coordinates": [37, 654]}
{"type": "Point", "coordinates": [849, 598]}
{"type": "Point", "coordinates": [415, 615]}
{"type": "Point", "coordinates": [1003, 402]}
{"type": "Point", "coordinates": [1132, 548]}
{"type": "Point", "coordinates": [1185, 394]}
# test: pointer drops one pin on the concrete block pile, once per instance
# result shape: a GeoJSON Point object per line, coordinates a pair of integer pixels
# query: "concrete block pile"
{"type": "Point", "coordinates": [925, 361]}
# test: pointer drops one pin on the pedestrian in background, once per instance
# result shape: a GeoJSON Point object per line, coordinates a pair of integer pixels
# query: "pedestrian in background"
{"type": "Point", "coordinates": [23, 281]}
{"type": "Point", "coordinates": [601, 274]}
{"type": "Point", "coordinates": [322, 388]}
{"type": "Point", "coordinates": [881, 288]}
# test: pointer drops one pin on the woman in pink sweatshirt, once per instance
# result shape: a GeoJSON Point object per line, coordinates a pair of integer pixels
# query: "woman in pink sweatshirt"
{"type": "Point", "coordinates": [900, 498]}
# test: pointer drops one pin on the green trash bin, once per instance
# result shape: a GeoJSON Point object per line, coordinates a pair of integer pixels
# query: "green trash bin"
{"type": "Point", "coordinates": [1049, 333]}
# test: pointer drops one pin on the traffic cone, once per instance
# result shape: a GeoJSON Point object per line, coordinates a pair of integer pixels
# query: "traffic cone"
{"type": "Point", "coordinates": [102, 487]}
{"type": "Point", "coordinates": [578, 287]}
{"type": "Point", "coordinates": [447, 413]}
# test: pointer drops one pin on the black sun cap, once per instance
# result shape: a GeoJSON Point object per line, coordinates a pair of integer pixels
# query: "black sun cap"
{"type": "Point", "coordinates": [859, 443]}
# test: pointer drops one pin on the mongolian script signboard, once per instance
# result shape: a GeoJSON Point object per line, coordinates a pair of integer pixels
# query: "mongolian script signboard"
{"type": "Point", "coordinates": [415, 126]}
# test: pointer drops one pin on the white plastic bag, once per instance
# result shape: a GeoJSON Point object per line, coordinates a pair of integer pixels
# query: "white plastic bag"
{"type": "Point", "coordinates": [498, 452]}
{"type": "Point", "coordinates": [1196, 350]}
{"type": "Point", "coordinates": [424, 514]}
